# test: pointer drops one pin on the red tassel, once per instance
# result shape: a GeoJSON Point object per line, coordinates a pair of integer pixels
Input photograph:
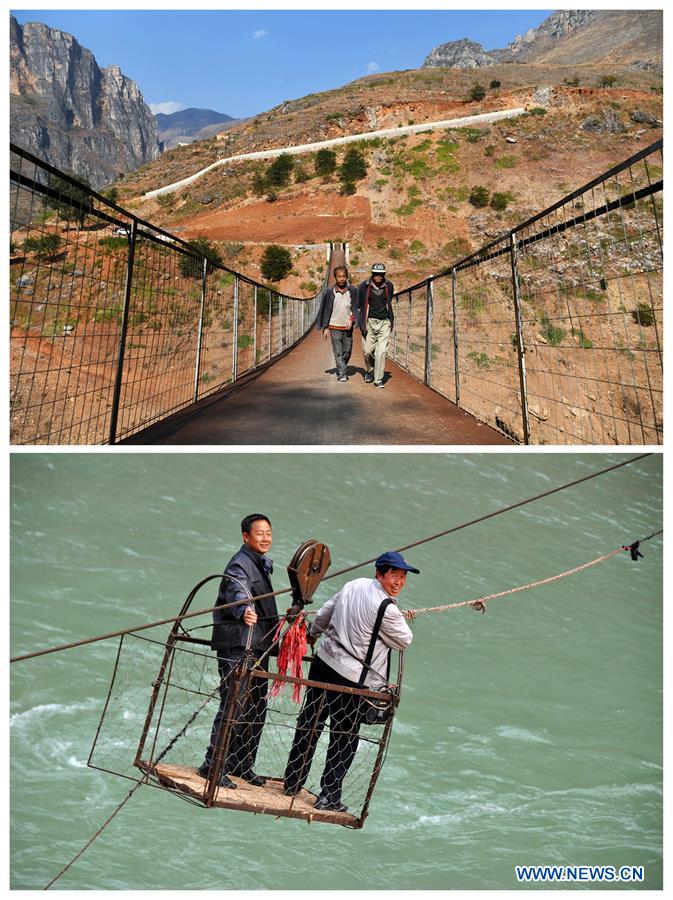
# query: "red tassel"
{"type": "Point", "coordinates": [291, 653]}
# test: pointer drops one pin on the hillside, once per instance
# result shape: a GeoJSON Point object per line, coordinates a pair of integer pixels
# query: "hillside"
{"type": "Point", "coordinates": [412, 208]}
{"type": "Point", "coordinates": [190, 124]}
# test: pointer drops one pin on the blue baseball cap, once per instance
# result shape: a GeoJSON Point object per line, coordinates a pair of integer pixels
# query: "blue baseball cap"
{"type": "Point", "coordinates": [396, 560]}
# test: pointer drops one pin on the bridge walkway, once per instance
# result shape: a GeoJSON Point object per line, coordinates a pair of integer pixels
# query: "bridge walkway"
{"type": "Point", "coordinates": [298, 401]}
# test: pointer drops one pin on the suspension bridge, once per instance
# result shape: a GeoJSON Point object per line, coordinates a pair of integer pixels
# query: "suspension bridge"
{"type": "Point", "coordinates": [549, 334]}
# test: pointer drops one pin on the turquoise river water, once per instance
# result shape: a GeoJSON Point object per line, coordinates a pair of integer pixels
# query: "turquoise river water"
{"type": "Point", "coordinates": [531, 735]}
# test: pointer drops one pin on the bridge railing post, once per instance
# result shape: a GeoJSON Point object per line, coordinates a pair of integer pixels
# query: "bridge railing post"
{"type": "Point", "coordinates": [397, 319]}
{"type": "Point", "coordinates": [271, 296]}
{"type": "Point", "coordinates": [254, 329]}
{"type": "Point", "coordinates": [199, 334]}
{"type": "Point", "coordinates": [456, 364]}
{"type": "Point", "coordinates": [280, 322]}
{"type": "Point", "coordinates": [234, 361]}
{"type": "Point", "coordinates": [406, 357]}
{"type": "Point", "coordinates": [520, 348]}
{"type": "Point", "coordinates": [130, 257]}
{"type": "Point", "coordinates": [428, 334]}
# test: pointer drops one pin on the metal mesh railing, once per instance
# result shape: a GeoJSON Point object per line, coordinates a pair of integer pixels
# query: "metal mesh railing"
{"type": "Point", "coordinates": [114, 323]}
{"type": "Point", "coordinates": [553, 333]}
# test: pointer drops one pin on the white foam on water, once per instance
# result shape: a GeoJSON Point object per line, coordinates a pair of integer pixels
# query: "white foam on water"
{"type": "Point", "coordinates": [37, 712]}
{"type": "Point", "coordinates": [521, 734]}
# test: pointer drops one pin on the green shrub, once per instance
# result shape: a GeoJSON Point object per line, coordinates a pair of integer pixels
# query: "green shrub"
{"type": "Point", "coordinates": [44, 246]}
{"type": "Point", "coordinates": [408, 208]}
{"type": "Point", "coordinates": [571, 82]}
{"type": "Point", "coordinates": [353, 167]}
{"type": "Point", "coordinates": [608, 81]}
{"type": "Point", "coordinates": [476, 92]}
{"type": "Point", "coordinates": [500, 201]}
{"type": "Point", "coordinates": [276, 262]}
{"type": "Point", "coordinates": [494, 85]}
{"type": "Point", "coordinates": [244, 341]}
{"type": "Point", "coordinates": [417, 247]}
{"type": "Point", "coordinates": [473, 304]}
{"type": "Point", "coordinates": [537, 111]}
{"type": "Point", "coordinates": [643, 315]}
{"type": "Point", "coordinates": [278, 173]}
{"type": "Point", "coordinates": [114, 242]}
{"type": "Point", "coordinates": [191, 267]}
{"type": "Point", "coordinates": [481, 359]}
{"type": "Point", "coordinates": [325, 162]}
{"type": "Point", "coordinates": [489, 150]}
{"type": "Point", "coordinates": [584, 341]}
{"type": "Point", "coordinates": [347, 188]}
{"type": "Point", "coordinates": [381, 243]}
{"type": "Point", "coordinates": [550, 332]}
{"type": "Point", "coordinates": [479, 196]}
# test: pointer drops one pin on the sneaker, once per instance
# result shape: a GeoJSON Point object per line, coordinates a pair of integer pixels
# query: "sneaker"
{"type": "Point", "coordinates": [379, 384]}
{"type": "Point", "coordinates": [343, 378]}
{"type": "Point", "coordinates": [369, 377]}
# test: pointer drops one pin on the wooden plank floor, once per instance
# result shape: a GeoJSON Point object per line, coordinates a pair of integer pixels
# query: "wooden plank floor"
{"type": "Point", "coordinates": [268, 800]}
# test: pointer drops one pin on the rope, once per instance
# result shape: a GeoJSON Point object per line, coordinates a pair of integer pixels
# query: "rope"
{"type": "Point", "coordinates": [433, 537]}
{"type": "Point", "coordinates": [479, 604]}
{"type": "Point", "coordinates": [94, 836]}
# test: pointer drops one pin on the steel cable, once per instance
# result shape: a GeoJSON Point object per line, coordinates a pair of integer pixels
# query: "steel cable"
{"type": "Point", "coordinates": [425, 540]}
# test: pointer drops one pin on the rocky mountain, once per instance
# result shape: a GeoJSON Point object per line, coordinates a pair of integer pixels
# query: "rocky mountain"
{"type": "Point", "coordinates": [71, 113]}
{"type": "Point", "coordinates": [569, 37]}
{"type": "Point", "coordinates": [190, 124]}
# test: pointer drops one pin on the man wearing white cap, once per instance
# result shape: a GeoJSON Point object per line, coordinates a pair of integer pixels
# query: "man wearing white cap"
{"type": "Point", "coordinates": [348, 622]}
{"type": "Point", "coordinates": [374, 317]}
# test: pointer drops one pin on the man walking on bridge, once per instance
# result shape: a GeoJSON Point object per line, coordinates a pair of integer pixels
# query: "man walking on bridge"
{"type": "Point", "coordinates": [374, 316]}
{"type": "Point", "coordinates": [335, 318]}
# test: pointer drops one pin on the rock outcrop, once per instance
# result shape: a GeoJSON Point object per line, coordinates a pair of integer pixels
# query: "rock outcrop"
{"type": "Point", "coordinates": [73, 114]}
{"type": "Point", "coordinates": [569, 37]}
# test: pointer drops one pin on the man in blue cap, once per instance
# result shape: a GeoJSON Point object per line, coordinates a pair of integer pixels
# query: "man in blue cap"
{"type": "Point", "coordinates": [348, 624]}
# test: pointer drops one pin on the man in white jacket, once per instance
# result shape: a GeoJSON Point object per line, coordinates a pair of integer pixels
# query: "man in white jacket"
{"type": "Point", "coordinates": [347, 621]}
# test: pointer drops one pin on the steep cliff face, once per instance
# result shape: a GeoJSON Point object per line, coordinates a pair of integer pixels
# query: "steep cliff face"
{"type": "Point", "coordinates": [74, 115]}
{"type": "Point", "coordinates": [568, 37]}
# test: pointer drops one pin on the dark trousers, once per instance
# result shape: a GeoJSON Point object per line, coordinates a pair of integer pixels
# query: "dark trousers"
{"type": "Point", "coordinates": [249, 714]}
{"type": "Point", "coordinates": [343, 712]}
{"type": "Point", "coordinates": [342, 345]}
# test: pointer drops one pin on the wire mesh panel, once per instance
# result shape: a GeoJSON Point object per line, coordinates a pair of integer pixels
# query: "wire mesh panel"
{"type": "Point", "coordinates": [409, 332]}
{"type": "Point", "coordinates": [158, 728]}
{"type": "Point", "coordinates": [487, 346]}
{"type": "Point", "coordinates": [558, 325]}
{"type": "Point", "coordinates": [442, 371]}
{"type": "Point", "coordinates": [216, 367]}
{"type": "Point", "coordinates": [112, 326]}
{"type": "Point", "coordinates": [593, 301]}
{"type": "Point", "coordinates": [159, 353]}
{"type": "Point", "coordinates": [68, 272]}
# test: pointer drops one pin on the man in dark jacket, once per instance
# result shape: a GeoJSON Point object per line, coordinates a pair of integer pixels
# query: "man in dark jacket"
{"type": "Point", "coordinates": [237, 630]}
{"type": "Point", "coordinates": [374, 317]}
{"type": "Point", "coordinates": [335, 318]}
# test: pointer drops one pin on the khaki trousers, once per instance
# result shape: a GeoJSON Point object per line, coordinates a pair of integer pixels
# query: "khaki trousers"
{"type": "Point", "coordinates": [375, 347]}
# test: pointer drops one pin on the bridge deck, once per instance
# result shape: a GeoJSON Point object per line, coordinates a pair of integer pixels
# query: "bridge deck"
{"type": "Point", "coordinates": [298, 401]}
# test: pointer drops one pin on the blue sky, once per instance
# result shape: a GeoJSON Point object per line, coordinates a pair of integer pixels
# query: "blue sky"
{"type": "Point", "coordinates": [242, 62]}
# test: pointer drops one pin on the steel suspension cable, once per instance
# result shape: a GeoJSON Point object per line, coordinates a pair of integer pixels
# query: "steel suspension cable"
{"type": "Point", "coordinates": [425, 540]}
